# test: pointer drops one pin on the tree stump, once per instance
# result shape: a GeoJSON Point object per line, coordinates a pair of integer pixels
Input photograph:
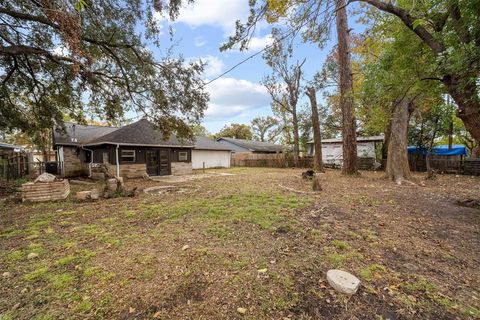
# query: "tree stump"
{"type": "Point", "coordinates": [316, 185]}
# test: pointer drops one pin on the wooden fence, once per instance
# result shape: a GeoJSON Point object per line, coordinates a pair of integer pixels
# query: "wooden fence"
{"type": "Point", "coordinates": [418, 162]}
{"type": "Point", "coordinates": [17, 170]}
{"type": "Point", "coordinates": [272, 160]}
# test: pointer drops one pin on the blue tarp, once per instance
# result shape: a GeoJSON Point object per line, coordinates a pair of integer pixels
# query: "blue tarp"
{"type": "Point", "coordinates": [457, 150]}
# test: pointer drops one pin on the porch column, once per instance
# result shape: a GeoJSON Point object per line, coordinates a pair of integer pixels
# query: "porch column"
{"type": "Point", "coordinates": [118, 164]}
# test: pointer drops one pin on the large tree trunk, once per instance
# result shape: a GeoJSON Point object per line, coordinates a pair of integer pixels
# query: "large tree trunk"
{"type": "Point", "coordinates": [468, 104]}
{"type": "Point", "coordinates": [296, 144]}
{"type": "Point", "coordinates": [317, 137]}
{"type": "Point", "coordinates": [461, 87]}
{"type": "Point", "coordinates": [397, 168]}
{"type": "Point", "coordinates": [346, 92]}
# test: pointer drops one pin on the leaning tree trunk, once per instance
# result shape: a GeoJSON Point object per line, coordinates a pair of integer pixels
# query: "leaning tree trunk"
{"type": "Point", "coordinates": [346, 92]}
{"type": "Point", "coordinates": [468, 104]}
{"type": "Point", "coordinates": [296, 144]}
{"type": "Point", "coordinates": [397, 168]}
{"type": "Point", "coordinates": [317, 137]}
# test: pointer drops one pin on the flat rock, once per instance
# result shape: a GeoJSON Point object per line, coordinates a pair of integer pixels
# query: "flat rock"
{"type": "Point", "coordinates": [112, 185]}
{"type": "Point", "coordinates": [32, 255]}
{"type": "Point", "coordinates": [45, 177]}
{"type": "Point", "coordinates": [90, 194]}
{"type": "Point", "coordinates": [81, 182]}
{"type": "Point", "coordinates": [343, 281]}
{"type": "Point", "coordinates": [241, 310]}
{"type": "Point", "coordinates": [82, 195]}
{"type": "Point", "coordinates": [6, 275]}
{"type": "Point", "coordinates": [97, 176]}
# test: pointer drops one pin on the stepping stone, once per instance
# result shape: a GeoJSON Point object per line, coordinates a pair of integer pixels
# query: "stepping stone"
{"type": "Point", "coordinates": [343, 281]}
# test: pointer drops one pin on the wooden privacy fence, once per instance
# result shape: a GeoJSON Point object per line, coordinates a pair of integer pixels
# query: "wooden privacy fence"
{"type": "Point", "coordinates": [418, 162]}
{"type": "Point", "coordinates": [16, 170]}
{"type": "Point", "coordinates": [271, 160]}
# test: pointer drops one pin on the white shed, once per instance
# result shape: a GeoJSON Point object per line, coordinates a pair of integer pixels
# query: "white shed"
{"type": "Point", "coordinates": [209, 153]}
{"type": "Point", "coordinates": [332, 151]}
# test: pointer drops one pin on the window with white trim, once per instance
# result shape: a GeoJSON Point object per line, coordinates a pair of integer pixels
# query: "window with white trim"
{"type": "Point", "coordinates": [182, 156]}
{"type": "Point", "coordinates": [127, 155]}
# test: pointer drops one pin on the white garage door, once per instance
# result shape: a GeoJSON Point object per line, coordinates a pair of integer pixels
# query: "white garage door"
{"type": "Point", "coordinates": [211, 158]}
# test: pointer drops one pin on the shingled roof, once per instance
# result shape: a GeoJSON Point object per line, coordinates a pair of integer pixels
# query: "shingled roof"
{"type": "Point", "coordinates": [77, 134]}
{"type": "Point", "coordinates": [140, 133]}
{"type": "Point", "coordinates": [204, 143]}
{"type": "Point", "coordinates": [254, 146]}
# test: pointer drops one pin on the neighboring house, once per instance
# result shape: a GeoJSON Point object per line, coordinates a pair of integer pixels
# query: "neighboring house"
{"type": "Point", "coordinates": [250, 146]}
{"type": "Point", "coordinates": [209, 153]}
{"type": "Point", "coordinates": [129, 151]}
{"type": "Point", "coordinates": [332, 151]}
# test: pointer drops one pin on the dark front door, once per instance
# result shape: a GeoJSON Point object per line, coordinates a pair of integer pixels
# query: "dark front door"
{"type": "Point", "coordinates": [164, 162]}
{"type": "Point", "coordinates": [152, 162]}
{"type": "Point", "coordinates": [158, 162]}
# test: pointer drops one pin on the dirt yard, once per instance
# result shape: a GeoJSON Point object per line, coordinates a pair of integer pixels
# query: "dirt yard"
{"type": "Point", "coordinates": [212, 246]}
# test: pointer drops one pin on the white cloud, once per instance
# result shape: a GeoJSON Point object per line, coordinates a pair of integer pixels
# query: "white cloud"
{"type": "Point", "coordinates": [199, 42]}
{"type": "Point", "coordinates": [214, 66]}
{"type": "Point", "coordinates": [231, 97]}
{"type": "Point", "coordinates": [217, 13]}
{"type": "Point", "coordinates": [258, 43]}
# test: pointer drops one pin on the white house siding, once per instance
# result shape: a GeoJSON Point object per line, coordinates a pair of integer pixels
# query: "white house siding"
{"type": "Point", "coordinates": [333, 152]}
{"type": "Point", "coordinates": [212, 159]}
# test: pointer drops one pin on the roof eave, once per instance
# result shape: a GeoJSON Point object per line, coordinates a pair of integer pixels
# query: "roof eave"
{"type": "Point", "coordinates": [138, 144]}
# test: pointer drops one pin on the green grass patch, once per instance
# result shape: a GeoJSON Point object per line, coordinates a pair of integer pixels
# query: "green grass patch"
{"type": "Point", "coordinates": [62, 281]}
{"type": "Point", "coordinates": [261, 209]}
{"type": "Point", "coordinates": [36, 274]}
{"type": "Point", "coordinates": [16, 255]}
{"type": "Point", "coordinates": [339, 244]}
{"type": "Point", "coordinates": [66, 260]}
{"type": "Point", "coordinates": [371, 271]}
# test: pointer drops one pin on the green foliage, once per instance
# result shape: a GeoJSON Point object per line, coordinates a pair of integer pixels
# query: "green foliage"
{"type": "Point", "coordinates": [236, 130]}
{"type": "Point", "coordinates": [90, 59]}
{"type": "Point", "coordinates": [265, 128]}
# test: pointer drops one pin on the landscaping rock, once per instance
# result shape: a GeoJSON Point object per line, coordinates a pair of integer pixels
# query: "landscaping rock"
{"type": "Point", "coordinates": [97, 176]}
{"type": "Point", "coordinates": [112, 185]}
{"type": "Point", "coordinates": [81, 182]}
{"type": "Point", "coordinates": [94, 194]}
{"type": "Point", "coordinates": [241, 310]}
{"type": "Point", "coordinates": [6, 275]}
{"type": "Point", "coordinates": [32, 255]}
{"type": "Point", "coordinates": [89, 194]}
{"type": "Point", "coordinates": [343, 281]}
{"type": "Point", "coordinates": [82, 195]}
{"type": "Point", "coordinates": [45, 177]}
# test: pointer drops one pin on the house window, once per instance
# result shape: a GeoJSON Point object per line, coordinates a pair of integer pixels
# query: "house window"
{"type": "Point", "coordinates": [183, 156]}
{"type": "Point", "coordinates": [127, 155]}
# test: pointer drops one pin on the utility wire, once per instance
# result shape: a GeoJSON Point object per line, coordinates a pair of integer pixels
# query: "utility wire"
{"type": "Point", "coordinates": [288, 34]}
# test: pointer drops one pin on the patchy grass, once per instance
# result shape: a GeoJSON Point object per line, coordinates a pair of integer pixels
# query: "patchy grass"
{"type": "Point", "coordinates": [242, 241]}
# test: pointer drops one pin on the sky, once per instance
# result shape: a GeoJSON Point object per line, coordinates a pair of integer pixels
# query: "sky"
{"type": "Point", "coordinates": [237, 97]}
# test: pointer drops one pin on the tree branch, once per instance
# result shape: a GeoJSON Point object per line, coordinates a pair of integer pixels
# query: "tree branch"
{"type": "Point", "coordinates": [408, 20]}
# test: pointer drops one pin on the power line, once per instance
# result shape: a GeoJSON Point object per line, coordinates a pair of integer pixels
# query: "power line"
{"type": "Point", "coordinates": [266, 47]}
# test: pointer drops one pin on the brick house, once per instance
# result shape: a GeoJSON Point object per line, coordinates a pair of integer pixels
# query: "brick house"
{"type": "Point", "coordinates": [129, 151]}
